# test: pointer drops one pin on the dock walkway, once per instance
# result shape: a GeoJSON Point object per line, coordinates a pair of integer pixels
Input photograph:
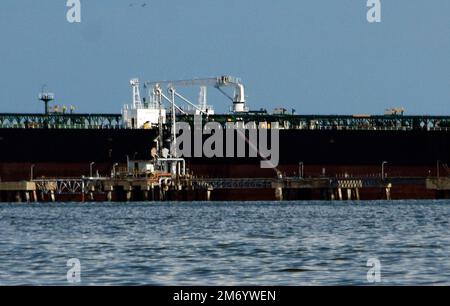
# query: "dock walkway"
{"type": "Point", "coordinates": [88, 189]}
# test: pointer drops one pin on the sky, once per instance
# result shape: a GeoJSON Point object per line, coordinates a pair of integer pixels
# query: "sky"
{"type": "Point", "coordinates": [315, 56]}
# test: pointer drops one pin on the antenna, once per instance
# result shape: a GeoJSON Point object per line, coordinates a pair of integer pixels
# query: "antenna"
{"type": "Point", "coordinates": [46, 97]}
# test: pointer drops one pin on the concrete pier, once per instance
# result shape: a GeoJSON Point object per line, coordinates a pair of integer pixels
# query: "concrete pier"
{"type": "Point", "coordinates": [17, 192]}
{"type": "Point", "coordinates": [188, 188]}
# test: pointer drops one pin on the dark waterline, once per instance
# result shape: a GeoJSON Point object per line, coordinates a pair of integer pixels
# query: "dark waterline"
{"type": "Point", "coordinates": [258, 243]}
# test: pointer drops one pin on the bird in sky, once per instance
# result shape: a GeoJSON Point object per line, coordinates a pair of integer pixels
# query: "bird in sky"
{"type": "Point", "coordinates": [142, 5]}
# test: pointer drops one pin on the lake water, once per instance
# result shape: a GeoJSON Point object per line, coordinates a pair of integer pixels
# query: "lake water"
{"type": "Point", "coordinates": [257, 243]}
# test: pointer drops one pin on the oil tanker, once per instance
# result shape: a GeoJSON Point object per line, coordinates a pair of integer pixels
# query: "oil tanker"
{"type": "Point", "coordinates": [67, 144]}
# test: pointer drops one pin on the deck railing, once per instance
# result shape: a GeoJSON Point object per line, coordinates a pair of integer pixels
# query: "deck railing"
{"type": "Point", "coordinates": [297, 122]}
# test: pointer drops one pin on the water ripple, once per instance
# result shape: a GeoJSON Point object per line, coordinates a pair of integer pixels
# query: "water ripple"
{"type": "Point", "coordinates": [260, 243]}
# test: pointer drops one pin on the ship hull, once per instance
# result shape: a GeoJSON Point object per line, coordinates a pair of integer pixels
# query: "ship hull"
{"type": "Point", "coordinates": [69, 152]}
{"type": "Point", "coordinates": [59, 152]}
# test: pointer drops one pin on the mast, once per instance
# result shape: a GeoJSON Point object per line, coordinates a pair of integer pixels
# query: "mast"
{"type": "Point", "coordinates": [46, 97]}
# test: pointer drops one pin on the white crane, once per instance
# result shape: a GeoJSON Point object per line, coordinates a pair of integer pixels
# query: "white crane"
{"type": "Point", "coordinates": [218, 82]}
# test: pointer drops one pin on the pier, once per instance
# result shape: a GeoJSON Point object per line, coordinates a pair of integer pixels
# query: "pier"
{"type": "Point", "coordinates": [187, 188]}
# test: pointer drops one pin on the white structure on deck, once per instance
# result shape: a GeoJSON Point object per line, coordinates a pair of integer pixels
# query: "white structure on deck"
{"type": "Point", "coordinates": [202, 107]}
{"type": "Point", "coordinates": [139, 114]}
{"type": "Point", "coordinates": [150, 111]}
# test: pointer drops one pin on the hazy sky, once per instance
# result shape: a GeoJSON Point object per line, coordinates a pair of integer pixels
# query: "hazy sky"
{"type": "Point", "coordinates": [316, 56]}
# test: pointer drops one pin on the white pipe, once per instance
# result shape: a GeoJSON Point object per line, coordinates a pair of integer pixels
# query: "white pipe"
{"type": "Point", "coordinates": [174, 125]}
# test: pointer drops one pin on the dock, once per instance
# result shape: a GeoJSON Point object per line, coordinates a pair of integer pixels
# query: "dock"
{"type": "Point", "coordinates": [186, 188]}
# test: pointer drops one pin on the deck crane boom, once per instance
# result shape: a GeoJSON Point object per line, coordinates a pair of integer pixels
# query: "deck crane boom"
{"type": "Point", "coordinates": [218, 82]}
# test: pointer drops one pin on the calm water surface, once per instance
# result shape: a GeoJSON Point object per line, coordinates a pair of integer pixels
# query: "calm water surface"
{"type": "Point", "coordinates": [293, 243]}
